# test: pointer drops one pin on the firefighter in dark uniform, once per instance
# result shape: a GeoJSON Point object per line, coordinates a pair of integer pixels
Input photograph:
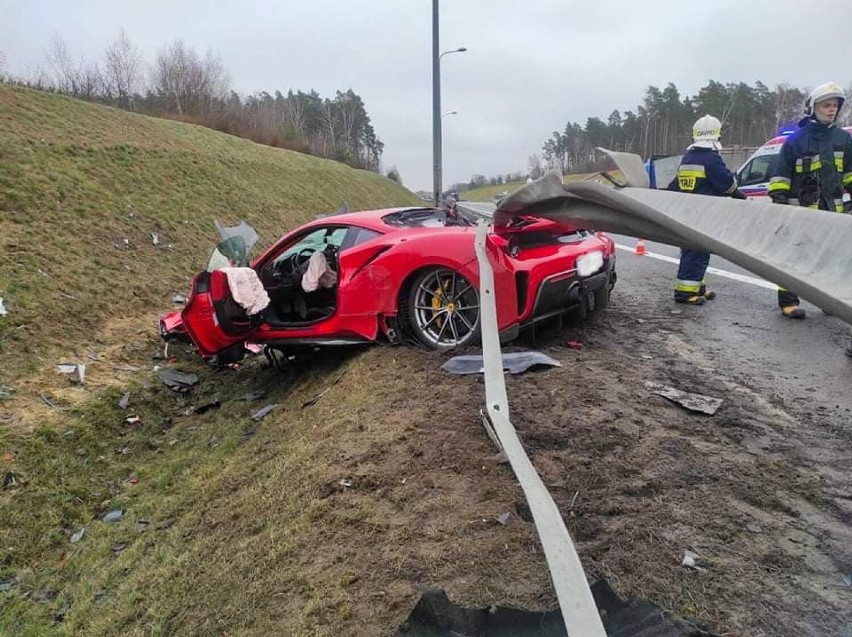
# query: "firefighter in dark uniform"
{"type": "Point", "coordinates": [814, 168]}
{"type": "Point", "coordinates": [701, 172]}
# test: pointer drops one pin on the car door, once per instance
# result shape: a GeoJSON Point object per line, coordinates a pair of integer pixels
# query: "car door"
{"type": "Point", "coordinates": [212, 318]}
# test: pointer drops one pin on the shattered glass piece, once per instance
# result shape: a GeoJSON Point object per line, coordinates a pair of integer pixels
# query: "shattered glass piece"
{"type": "Point", "coordinates": [179, 299]}
{"type": "Point", "coordinates": [514, 362]}
{"type": "Point", "coordinates": [124, 401]}
{"type": "Point", "coordinates": [253, 395]}
{"type": "Point", "coordinates": [693, 402]}
{"type": "Point", "coordinates": [78, 535]}
{"type": "Point", "coordinates": [503, 518]}
{"type": "Point", "coordinates": [6, 585]}
{"type": "Point", "coordinates": [66, 368]}
{"type": "Point", "coordinates": [113, 516]}
{"type": "Point", "coordinates": [177, 381]}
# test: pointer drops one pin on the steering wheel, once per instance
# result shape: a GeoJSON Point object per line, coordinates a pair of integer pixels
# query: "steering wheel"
{"type": "Point", "coordinates": [299, 260]}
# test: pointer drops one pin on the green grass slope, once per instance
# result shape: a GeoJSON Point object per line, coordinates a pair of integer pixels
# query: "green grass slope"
{"type": "Point", "coordinates": [320, 519]}
{"type": "Point", "coordinates": [82, 187]}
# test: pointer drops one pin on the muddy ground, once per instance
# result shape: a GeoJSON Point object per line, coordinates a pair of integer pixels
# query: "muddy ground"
{"type": "Point", "coordinates": [759, 491]}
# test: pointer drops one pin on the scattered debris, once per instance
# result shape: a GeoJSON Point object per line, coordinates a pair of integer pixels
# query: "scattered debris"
{"type": "Point", "coordinates": [59, 616]}
{"type": "Point", "coordinates": [6, 394]}
{"type": "Point", "coordinates": [134, 479]}
{"type": "Point", "coordinates": [203, 409]}
{"type": "Point", "coordinates": [124, 401]}
{"type": "Point", "coordinates": [133, 421]}
{"type": "Point", "coordinates": [435, 614]}
{"type": "Point", "coordinates": [47, 401]}
{"type": "Point", "coordinates": [10, 479]}
{"type": "Point", "coordinates": [514, 362]}
{"type": "Point", "coordinates": [503, 518]}
{"type": "Point", "coordinates": [179, 299]}
{"type": "Point", "coordinates": [177, 381]}
{"type": "Point", "coordinates": [113, 516]}
{"type": "Point", "coordinates": [7, 457]}
{"type": "Point", "coordinates": [847, 579]}
{"type": "Point", "coordinates": [263, 413]}
{"type": "Point", "coordinates": [753, 528]}
{"type": "Point", "coordinates": [73, 368]}
{"type": "Point", "coordinates": [253, 395]}
{"type": "Point", "coordinates": [141, 525]}
{"type": "Point", "coordinates": [501, 458]}
{"type": "Point", "coordinates": [345, 483]}
{"type": "Point", "coordinates": [690, 560]}
{"type": "Point", "coordinates": [154, 238]}
{"type": "Point", "coordinates": [43, 273]}
{"type": "Point", "coordinates": [3, 311]}
{"type": "Point", "coordinates": [574, 344]}
{"type": "Point", "coordinates": [7, 584]}
{"type": "Point", "coordinates": [313, 401]}
{"type": "Point", "coordinates": [693, 402]}
{"type": "Point", "coordinates": [78, 535]}
{"type": "Point", "coordinates": [254, 348]}
{"type": "Point", "coordinates": [118, 547]}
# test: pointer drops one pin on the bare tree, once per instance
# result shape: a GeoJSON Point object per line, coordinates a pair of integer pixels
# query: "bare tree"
{"type": "Point", "coordinates": [122, 73]}
{"type": "Point", "coordinates": [191, 85]}
{"type": "Point", "coordinates": [78, 80]}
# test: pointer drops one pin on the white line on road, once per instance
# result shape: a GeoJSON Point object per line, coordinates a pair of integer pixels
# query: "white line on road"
{"type": "Point", "coordinates": [743, 278]}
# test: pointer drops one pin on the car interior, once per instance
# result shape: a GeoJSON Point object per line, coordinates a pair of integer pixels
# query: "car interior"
{"type": "Point", "coordinates": [282, 278]}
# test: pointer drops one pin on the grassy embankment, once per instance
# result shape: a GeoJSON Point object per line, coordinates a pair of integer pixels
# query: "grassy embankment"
{"type": "Point", "coordinates": [317, 520]}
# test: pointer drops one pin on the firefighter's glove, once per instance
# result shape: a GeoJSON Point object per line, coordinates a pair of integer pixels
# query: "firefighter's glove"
{"type": "Point", "coordinates": [778, 197]}
{"type": "Point", "coordinates": [738, 195]}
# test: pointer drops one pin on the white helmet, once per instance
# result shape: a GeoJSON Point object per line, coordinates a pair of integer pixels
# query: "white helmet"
{"type": "Point", "coordinates": [706, 132]}
{"type": "Point", "coordinates": [827, 91]}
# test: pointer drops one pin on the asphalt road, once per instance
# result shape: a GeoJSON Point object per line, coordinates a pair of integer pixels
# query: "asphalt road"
{"type": "Point", "coordinates": [799, 362]}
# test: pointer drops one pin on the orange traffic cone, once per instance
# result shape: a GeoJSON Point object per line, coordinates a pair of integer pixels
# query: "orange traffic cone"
{"type": "Point", "coordinates": [640, 247]}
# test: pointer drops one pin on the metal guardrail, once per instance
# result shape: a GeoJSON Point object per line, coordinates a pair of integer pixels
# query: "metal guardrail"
{"type": "Point", "coordinates": [572, 590]}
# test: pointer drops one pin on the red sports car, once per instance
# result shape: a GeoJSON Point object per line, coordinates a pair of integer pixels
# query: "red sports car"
{"type": "Point", "coordinates": [390, 274]}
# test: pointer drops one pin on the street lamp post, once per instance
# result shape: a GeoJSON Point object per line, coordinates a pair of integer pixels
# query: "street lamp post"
{"type": "Point", "coordinates": [436, 104]}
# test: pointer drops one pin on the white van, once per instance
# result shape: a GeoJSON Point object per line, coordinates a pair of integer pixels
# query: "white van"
{"type": "Point", "coordinates": [754, 175]}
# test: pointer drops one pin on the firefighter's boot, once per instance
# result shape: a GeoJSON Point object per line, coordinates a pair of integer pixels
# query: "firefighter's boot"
{"type": "Point", "coordinates": [793, 312]}
{"type": "Point", "coordinates": [694, 299]}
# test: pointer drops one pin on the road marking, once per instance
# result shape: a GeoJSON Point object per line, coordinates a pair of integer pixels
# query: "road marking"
{"type": "Point", "coordinates": [742, 278]}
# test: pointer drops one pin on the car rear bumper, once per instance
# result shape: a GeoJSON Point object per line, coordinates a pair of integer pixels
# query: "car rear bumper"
{"type": "Point", "coordinates": [562, 293]}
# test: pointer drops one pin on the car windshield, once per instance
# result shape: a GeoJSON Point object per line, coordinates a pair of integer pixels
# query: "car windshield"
{"type": "Point", "coordinates": [234, 246]}
{"type": "Point", "coordinates": [759, 170]}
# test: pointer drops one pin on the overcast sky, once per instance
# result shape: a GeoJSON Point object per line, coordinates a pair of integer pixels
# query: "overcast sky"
{"type": "Point", "coordinates": [531, 65]}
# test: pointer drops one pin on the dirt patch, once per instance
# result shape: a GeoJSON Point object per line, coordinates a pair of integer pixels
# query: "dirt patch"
{"type": "Point", "coordinates": [757, 491]}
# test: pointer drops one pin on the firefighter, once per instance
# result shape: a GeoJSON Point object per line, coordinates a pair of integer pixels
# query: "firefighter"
{"type": "Point", "coordinates": [814, 168]}
{"type": "Point", "coordinates": [701, 172]}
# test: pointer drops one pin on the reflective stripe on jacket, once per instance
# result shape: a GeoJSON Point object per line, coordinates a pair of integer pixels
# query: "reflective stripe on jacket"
{"type": "Point", "coordinates": [814, 167]}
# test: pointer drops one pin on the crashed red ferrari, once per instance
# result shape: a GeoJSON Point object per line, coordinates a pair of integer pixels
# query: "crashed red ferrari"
{"type": "Point", "coordinates": [394, 274]}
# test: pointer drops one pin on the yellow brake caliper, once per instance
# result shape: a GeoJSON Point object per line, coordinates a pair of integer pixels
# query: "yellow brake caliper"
{"type": "Point", "coordinates": [437, 304]}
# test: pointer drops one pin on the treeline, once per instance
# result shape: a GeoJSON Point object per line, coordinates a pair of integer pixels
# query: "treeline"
{"type": "Point", "coordinates": [181, 84]}
{"type": "Point", "coordinates": [662, 124]}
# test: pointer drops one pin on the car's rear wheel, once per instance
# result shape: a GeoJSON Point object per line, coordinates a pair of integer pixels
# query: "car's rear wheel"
{"type": "Point", "coordinates": [443, 309]}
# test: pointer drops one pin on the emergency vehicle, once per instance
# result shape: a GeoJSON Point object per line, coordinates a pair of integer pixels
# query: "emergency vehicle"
{"type": "Point", "coordinates": [754, 175]}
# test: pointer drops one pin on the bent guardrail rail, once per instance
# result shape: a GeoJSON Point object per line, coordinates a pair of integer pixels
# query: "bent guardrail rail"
{"type": "Point", "coordinates": [807, 251]}
{"type": "Point", "coordinates": [572, 590]}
